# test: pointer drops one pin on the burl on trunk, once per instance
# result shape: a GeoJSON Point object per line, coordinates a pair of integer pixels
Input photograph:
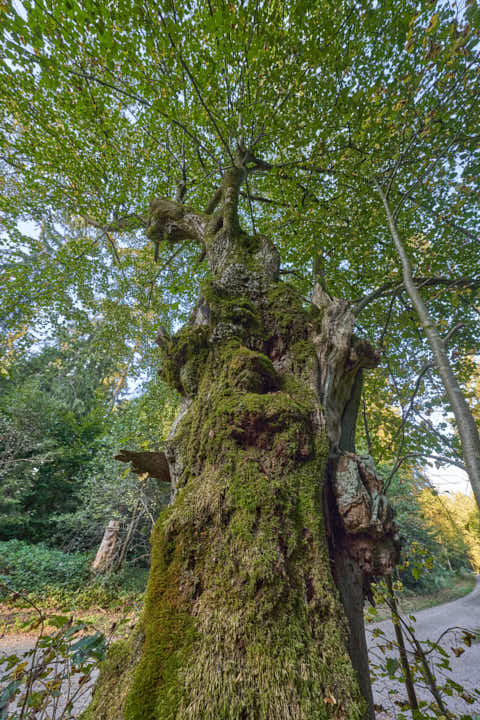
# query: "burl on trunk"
{"type": "Point", "coordinates": [243, 618]}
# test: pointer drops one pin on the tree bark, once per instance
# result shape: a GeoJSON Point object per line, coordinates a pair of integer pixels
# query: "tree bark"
{"type": "Point", "coordinates": [467, 428]}
{"type": "Point", "coordinates": [105, 556]}
{"type": "Point", "coordinates": [242, 617]}
{"type": "Point", "coordinates": [349, 579]}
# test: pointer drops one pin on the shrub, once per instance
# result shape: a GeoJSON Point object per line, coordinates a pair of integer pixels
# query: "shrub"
{"type": "Point", "coordinates": [36, 567]}
{"type": "Point", "coordinates": [63, 579]}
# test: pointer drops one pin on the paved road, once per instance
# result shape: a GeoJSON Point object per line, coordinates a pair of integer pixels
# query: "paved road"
{"type": "Point", "coordinates": [431, 623]}
{"type": "Point", "coordinates": [80, 695]}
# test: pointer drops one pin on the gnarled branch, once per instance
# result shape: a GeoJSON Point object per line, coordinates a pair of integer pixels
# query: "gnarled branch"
{"type": "Point", "coordinates": [393, 287]}
{"type": "Point", "coordinates": [172, 221]}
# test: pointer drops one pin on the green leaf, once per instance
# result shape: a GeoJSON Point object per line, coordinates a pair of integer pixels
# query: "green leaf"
{"type": "Point", "coordinates": [392, 665]}
{"type": "Point", "coordinates": [433, 23]}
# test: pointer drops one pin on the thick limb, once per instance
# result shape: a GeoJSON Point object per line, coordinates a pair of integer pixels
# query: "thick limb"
{"type": "Point", "coordinates": [172, 221]}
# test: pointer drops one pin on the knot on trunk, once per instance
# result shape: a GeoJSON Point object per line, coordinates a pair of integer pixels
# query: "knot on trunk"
{"type": "Point", "coordinates": [242, 264]}
{"type": "Point", "coordinates": [370, 534]}
{"type": "Point", "coordinates": [172, 221]}
{"type": "Point", "coordinates": [253, 372]}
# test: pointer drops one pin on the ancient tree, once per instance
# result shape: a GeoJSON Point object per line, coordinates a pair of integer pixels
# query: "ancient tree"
{"type": "Point", "coordinates": [261, 564]}
{"type": "Point", "coordinates": [275, 519]}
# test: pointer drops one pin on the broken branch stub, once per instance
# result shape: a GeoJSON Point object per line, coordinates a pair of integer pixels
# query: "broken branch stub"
{"type": "Point", "coordinates": [104, 558]}
{"type": "Point", "coordinates": [153, 463]}
{"type": "Point", "coordinates": [370, 534]}
{"type": "Point", "coordinates": [341, 356]}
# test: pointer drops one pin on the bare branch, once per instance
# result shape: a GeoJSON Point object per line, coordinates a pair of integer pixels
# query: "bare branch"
{"type": "Point", "coordinates": [196, 87]}
{"type": "Point", "coordinates": [389, 287]}
{"type": "Point", "coordinates": [451, 332]}
{"type": "Point", "coordinates": [128, 222]}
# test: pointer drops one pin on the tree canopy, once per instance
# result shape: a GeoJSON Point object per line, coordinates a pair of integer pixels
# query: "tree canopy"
{"type": "Point", "coordinates": [108, 105]}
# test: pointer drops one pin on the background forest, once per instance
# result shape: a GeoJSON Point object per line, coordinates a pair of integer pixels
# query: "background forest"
{"type": "Point", "coordinates": [67, 409]}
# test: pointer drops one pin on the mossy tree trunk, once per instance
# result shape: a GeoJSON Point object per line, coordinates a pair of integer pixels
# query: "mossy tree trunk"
{"type": "Point", "coordinates": [243, 618]}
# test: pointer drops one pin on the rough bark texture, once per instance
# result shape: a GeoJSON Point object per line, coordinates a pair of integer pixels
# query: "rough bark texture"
{"type": "Point", "coordinates": [242, 617]}
{"type": "Point", "coordinates": [106, 552]}
{"type": "Point", "coordinates": [362, 536]}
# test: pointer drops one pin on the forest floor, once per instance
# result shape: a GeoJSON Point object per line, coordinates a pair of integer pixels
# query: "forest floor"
{"type": "Point", "coordinates": [13, 618]}
{"type": "Point", "coordinates": [16, 621]}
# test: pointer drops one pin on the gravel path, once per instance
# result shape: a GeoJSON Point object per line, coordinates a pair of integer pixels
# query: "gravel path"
{"type": "Point", "coordinates": [431, 623]}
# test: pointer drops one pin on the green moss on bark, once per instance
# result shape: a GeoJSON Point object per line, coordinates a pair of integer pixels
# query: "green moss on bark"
{"type": "Point", "coordinates": [182, 359]}
{"type": "Point", "coordinates": [254, 371]}
{"type": "Point", "coordinates": [285, 315]}
{"type": "Point", "coordinates": [169, 633]}
{"type": "Point", "coordinates": [226, 307]}
{"type": "Point", "coordinates": [242, 619]}
{"type": "Point", "coordinates": [116, 674]}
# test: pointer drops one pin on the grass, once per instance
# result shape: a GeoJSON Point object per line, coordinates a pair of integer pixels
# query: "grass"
{"type": "Point", "coordinates": [457, 586]}
{"type": "Point", "coordinates": [460, 586]}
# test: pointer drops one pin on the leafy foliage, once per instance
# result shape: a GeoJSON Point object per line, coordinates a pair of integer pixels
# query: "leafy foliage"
{"type": "Point", "coordinates": [37, 567]}
{"type": "Point", "coordinates": [39, 574]}
{"type": "Point", "coordinates": [61, 432]}
{"type": "Point", "coordinates": [48, 680]}
{"type": "Point", "coordinates": [430, 529]}
{"type": "Point", "coordinates": [455, 521]}
{"type": "Point", "coordinates": [109, 490]}
{"type": "Point", "coordinates": [53, 414]}
{"type": "Point", "coordinates": [419, 664]}
{"type": "Point", "coordinates": [107, 107]}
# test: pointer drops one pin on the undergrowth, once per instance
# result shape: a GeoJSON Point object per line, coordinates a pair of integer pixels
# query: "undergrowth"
{"type": "Point", "coordinates": [58, 579]}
